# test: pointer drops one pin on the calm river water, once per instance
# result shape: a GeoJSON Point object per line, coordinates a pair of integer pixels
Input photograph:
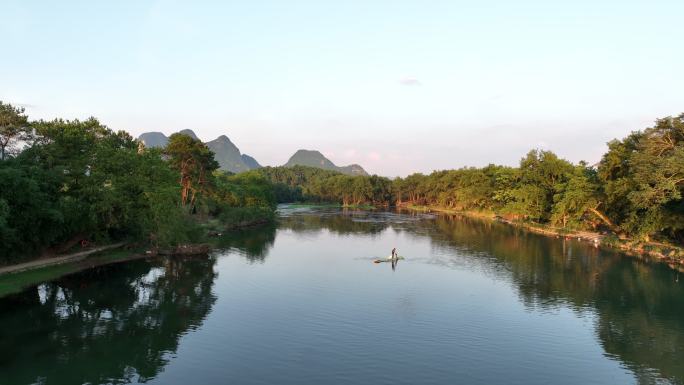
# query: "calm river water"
{"type": "Point", "coordinates": [302, 303]}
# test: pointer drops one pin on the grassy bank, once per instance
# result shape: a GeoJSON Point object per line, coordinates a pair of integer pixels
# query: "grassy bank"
{"type": "Point", "coordinates": [668, 253]}
{"type": "Point", "coordinates": [16, 282]}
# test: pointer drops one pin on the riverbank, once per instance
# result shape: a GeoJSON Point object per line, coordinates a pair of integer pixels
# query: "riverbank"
{"type": "Point", "coordinates": [17, 277]}
{"type": "Point", "coordinates": [666, 253]}
{"type": "Point", "coordinates": [66, 258]}
{"type": "Point", "coordinates": [20, 277]}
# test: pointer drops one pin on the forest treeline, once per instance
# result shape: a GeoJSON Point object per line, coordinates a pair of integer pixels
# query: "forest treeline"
{"type": "Point", "coordinates": [635, 190]}
{"type": "Point", "coordinates": [63, 182]}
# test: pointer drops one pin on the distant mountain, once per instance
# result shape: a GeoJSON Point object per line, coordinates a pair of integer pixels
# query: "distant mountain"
{"type": "Point", "coordinates": [353, 169]}
{"type": "Point", "coordinates": [250, 162]}
{"type": "Point", "coordinates": [225, 152]}
{"type": "Point", "coordinates": [154, 139]}
{"type": "Point", "coordinates": [316, 159]}
{"type": "Point", "coordinates": [228, 156]}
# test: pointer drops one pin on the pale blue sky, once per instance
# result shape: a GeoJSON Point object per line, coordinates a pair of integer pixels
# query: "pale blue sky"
{"type": "Point", "coordinates": [397, 86]}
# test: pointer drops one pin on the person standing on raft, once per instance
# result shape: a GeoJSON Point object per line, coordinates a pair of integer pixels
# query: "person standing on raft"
{"type": "Point", "coordinates": [394, 253]}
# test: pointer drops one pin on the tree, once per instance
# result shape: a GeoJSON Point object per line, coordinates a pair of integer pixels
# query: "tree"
{"type": "Point", "coordinates": [362, 190]}
{"type": "Point", "coordinates": [658, 178]}
{"type": "Point", "coordinates": [529, 201]}
{"type": "Point", "coordinates": [505, 182]}
{"type": "Point", "coordinates": [542, 176]}
{"type": "Point", "coordinates": [34, 194]}
{"type": "Point", "coordinates": [80, 180]}
{"type": "Point", "coordinates": [13, 128]}
{"type": "Point", "coordinates": [195, 164]}
{"type": "Point", "coordinates": [615, 175]}
{"type": "Point", "coordinates": [643, 176]}
{"type": "Point", "coordinates": [97, 171]}
{"type": "Point", "coordinates": [7, 233]}
{"type": "Point", "coordinates": [578, 195]}
{"type": "Point", "coordinates": [381, 190]}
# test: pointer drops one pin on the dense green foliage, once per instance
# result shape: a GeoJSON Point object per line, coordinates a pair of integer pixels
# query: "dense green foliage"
{"type": "Point", "coordinates": [66, 181]}
{"type": "Point", "coordinates": [302, 183]}
{"type": "Point", "coordinates": [79, 180]}
{"type": "Point", "coordinates": [13, 129]}
{"type": "Point", "coordinates": [242, 199]}
{"type": "Point", "coordinates": [195, 164]}
{"type": "Point", "coordinates": [636, 189]}
{"type": "Point", "coordinates": [643, 177]}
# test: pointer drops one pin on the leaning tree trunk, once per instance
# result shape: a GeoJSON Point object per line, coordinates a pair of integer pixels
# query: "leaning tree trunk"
{"type": "Point", "coordinates": [604, 218]}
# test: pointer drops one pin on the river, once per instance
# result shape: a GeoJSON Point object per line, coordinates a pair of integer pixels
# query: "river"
{"type": "Point", "coordinates": [301, 302]}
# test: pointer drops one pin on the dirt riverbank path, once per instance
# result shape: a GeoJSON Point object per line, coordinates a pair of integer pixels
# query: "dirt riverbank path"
{"type": "Point", "coordinates": [57, 260]}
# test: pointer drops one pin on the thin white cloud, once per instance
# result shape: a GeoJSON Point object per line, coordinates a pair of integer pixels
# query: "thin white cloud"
{"type": "Point", "coordinates": [410, 82]}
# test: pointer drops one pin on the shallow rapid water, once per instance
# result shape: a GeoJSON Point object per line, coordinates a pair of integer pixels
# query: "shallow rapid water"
{"type": "Point", "coordinates": [302, 303]}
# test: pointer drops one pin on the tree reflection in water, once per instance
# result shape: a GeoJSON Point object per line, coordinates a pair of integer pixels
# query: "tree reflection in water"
{"type": "Point", "coordinates": [348, 221]}
{"type": "Point", "coordinates": [252, 243]}
{"type": "Point", "coordinates": [114, 324]}
{"type": "Point", "coordinates": [122, 323]}
{"type": "Point", "coordinates": [639, 304]}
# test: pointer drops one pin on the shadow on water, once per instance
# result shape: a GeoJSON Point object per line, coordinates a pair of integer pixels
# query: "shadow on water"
{"type": "Point", "coordinates": [252, 243]}
{"type": "Point", "coordinates": [113, 324]}
{"type": "Point", "coordinates": [639, 304]}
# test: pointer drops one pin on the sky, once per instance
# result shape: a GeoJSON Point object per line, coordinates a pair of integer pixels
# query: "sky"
{"type": "Point", "coordinates": [396, 86]}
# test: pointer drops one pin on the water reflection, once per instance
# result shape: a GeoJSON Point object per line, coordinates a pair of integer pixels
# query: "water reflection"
{"type": "Point", "coordinates": [114, 324]}
{"type": "Point", "coordinates": [639, 304]}
{"type": "Point", "coordinates": [640, 309]}
{"type": "Point", "coordinates": [346, 221]}
{"type": "Point", "coordinates": [123, 323]}
{"type": "Point", "coordinates": [253, 243]}
{"type": "Point", "coordinates": [337, 224]}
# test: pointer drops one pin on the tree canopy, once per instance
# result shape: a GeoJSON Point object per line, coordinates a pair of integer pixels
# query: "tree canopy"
{"type": "Point", "coordinates": [13, 129]}
{"type": "Point", "coordinates": [636, 189]}
{"type": "Point", "coordinates": [79, 180]}
{"type": "Point", "coordinates": [68, 180]}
